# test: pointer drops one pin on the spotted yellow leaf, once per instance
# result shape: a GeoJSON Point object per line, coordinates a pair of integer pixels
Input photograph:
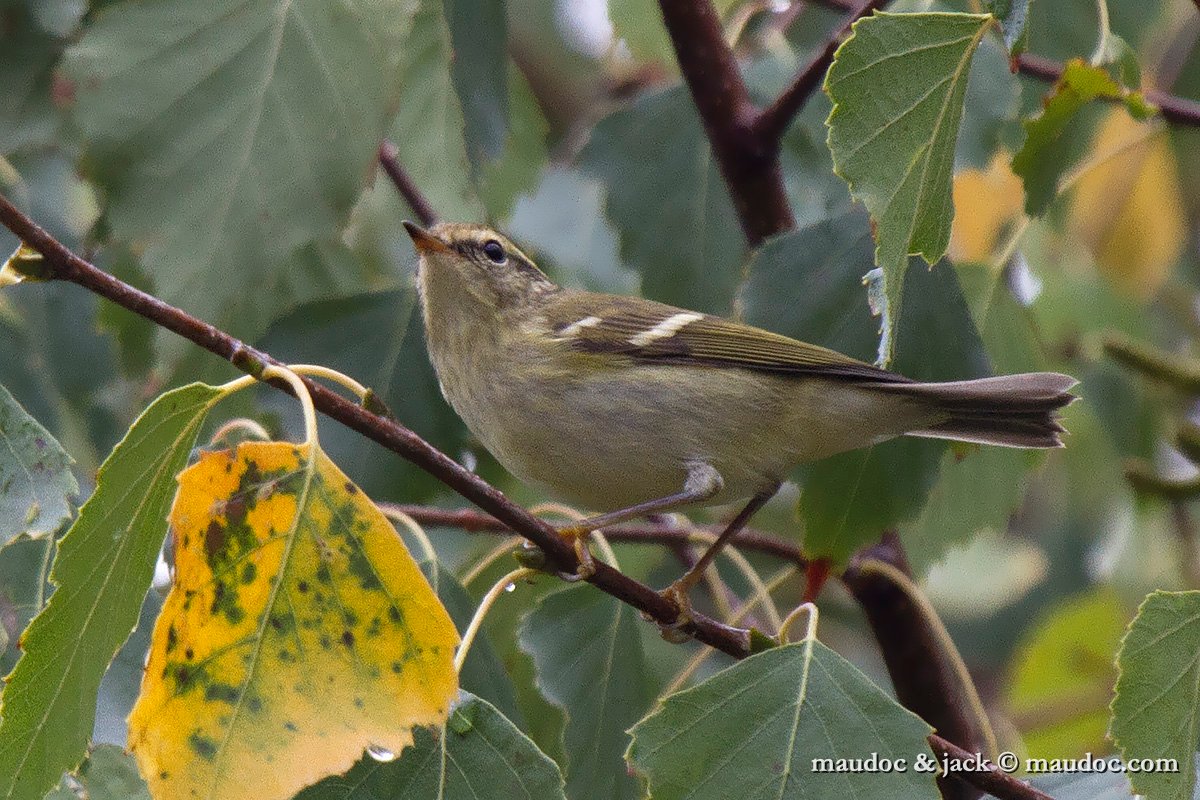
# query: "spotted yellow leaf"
{"type": "Point", "coordinates": [299, 631]}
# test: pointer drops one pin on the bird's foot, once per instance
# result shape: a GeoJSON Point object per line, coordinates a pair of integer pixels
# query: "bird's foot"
{"type": "Point", "coordinates": [677, 594]}
{"type": "Point", "coordinates": [579, 537]}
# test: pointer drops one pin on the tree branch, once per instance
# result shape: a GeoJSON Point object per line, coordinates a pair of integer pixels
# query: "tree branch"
{"type": "Point", "coordinates": [1175, 109]}
{"type": "Point", "coordinates": [923, 678]}
{"type": "Point", "coordinates": [473, 521]}
{"type": "Point", "coordinates": [408, 190]}
{"type": "Point", "coordinates": [749, 166]}
{"type": "Point", "coordinates": [773, 122]}
{"type": "Point", "coordinates": [59, 263]}
{"type": "Point", "coordinates": [993, 781]}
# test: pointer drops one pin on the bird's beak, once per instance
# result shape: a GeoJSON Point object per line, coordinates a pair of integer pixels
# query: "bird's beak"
{"type": "Point", "coordinates": [425, 241]}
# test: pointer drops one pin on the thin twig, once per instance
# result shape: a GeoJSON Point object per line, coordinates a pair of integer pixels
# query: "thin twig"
{"type": "Point", "coordinates": [408, 190]}
{"type": "Point", "coordinates": [993, 781]}
{"type": "Point", "coordinates": [773, 122]}
{"type": "Point", "coordinates": [59, 263]}
{"type": "Point", "coordinates": [472, 521]}
{"type": "Point", "coordinates": [1174, 108]}
{"type": "Point", "coordinates": [749, 166]}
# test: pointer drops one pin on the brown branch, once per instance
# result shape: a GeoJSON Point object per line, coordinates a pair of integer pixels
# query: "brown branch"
{"type": "Point", "coordinates": [773, 122]}
{"type": "Point", "coordinates": [749, 165]}
{"type": "Point", "coordinates": [923, 679]}
{"type": "Point", "coordinates": [473, 521]}
{"type": "Point", "coordinates": [1174, 108]}
{"type": "Point", "coordinates": [408, 190]}
{"type": "Point", "coordinates": [993, 781]}
{"type": "Point", "coordinates": [59, 263]}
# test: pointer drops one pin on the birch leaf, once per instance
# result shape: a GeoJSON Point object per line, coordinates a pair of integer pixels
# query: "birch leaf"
{"type": "Point", "coordinates": [298, 633]}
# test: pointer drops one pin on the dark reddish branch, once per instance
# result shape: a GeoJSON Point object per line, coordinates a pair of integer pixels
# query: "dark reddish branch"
{"type": "Point", "coordinates": [60, 263]}
{"type": "Point", "coordinates": [992, 781]}
{"type": "Point", "coordinates": [1174, 108]}
{"type": "Point", "coordinates": [773, 122]}
{"type": "Point", "coordinates": [745, 140]}
{"type": "Point", "coordinates": [468, 519]}
{"type": "Point", "coordinates": [748, 164]}
{"type": "Point", "coordinates": [924, 681]}
{"type": "Point", "coordinates": [408, 190]}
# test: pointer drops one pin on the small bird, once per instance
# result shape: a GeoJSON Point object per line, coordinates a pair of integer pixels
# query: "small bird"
{"type": "Point", "coordinates": [629, 407]}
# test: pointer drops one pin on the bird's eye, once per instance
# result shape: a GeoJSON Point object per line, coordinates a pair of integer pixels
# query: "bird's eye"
{"type": "Point", "coordinates": [494, 251]}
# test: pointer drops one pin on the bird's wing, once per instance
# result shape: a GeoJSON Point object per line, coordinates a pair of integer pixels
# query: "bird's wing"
{"type": "Point", "coordinates": [657, 333]}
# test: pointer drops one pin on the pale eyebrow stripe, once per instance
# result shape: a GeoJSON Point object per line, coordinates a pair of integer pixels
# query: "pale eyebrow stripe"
{"type": "Point", "coordinates": [668, 327]}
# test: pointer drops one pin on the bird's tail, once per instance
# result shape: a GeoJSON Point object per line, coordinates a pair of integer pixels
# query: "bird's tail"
{"type": "Point", "coordinates": [1008, 410]}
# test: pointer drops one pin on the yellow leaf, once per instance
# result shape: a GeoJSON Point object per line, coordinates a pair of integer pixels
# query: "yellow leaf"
{"type": "Point", "coordinates": [987, 203]}
{"type": "Point", "coordinates": [1128, 209]}
{"type": "Point", "coordinates": [298, 632]}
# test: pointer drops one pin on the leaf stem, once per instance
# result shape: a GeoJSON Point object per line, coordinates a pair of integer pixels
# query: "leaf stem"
{"type": "Point", "coordinates": [1102, 23]}
{"type": "Point", "coordinates": [485, 605]}
{"type": "Point", "coordinates": [418, 533]}
{"type": "Point", "coordinates": [318, 371]}
{"type": "Point", "coordinates": [493, 555]}
{"type": "Point", "coordinates": [809, 611]}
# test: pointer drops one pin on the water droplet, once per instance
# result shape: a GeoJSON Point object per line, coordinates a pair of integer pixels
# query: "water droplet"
{"type": "Point", "coordinates": [380, 753]}
{"type": "Point", "coordinates": [510, 587]}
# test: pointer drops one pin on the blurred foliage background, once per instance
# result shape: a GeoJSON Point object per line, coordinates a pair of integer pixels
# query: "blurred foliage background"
{"type": "Point", "coordinates": [564, 123]}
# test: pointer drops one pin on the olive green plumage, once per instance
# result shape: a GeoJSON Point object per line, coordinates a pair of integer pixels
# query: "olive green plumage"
{"type": "Point", "coordinates": [609, 401]}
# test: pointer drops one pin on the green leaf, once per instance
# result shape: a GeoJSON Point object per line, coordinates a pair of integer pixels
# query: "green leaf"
{"type": "Point", "coordinates": [898, 85]}
{"type": "Point", "coordinates": [849, 499]}
{"type": "Point", "coordinates": [807, 284]}
{"type": "Point", "coordinates": [104, 566]}
{"type": "Point", "coordinates": [956, 509]}
{"type": "Point", "coordinates": [1014, 19]}
{"type": "Point", "coordinates": [754, 730]}
{"type": "Point", "coordinates": [483, 672]}
{"type": "Point", "coordinates": [111, 774]}
{"type": "Point", "coordinates": [1156, 713]}
{"type": "Point", "coordinates": [428, 130]}
{"type": "Point", "coordinates": [1061, 678]}
{"type": "Point", "coordinates": [54, 323]}
{"type": "Point", "coordinates": [586, 648]}
{"type": "Point", "coordinates": [1045, 156]}
{"type": "Point", "coordinates": [235, 133]}
{"type": "Point", "coordinates": [479, 67]}
{"type": "Point", "coordinates": [36, 483]}
{"type": "Point", "coordinates": [479, 754]}
{"type": "Point", "coordinates": [668, 202]}
{"type": "Point", "coordinates": [28, 117]}
{"type": "Point", "coordinates": [24, 572]}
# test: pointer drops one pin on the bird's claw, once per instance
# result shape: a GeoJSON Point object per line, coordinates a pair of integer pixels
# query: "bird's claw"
{"type": "Point", "coordinates": [579, 540]}
{"type": "Point", "coordinates": [675, 632]}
